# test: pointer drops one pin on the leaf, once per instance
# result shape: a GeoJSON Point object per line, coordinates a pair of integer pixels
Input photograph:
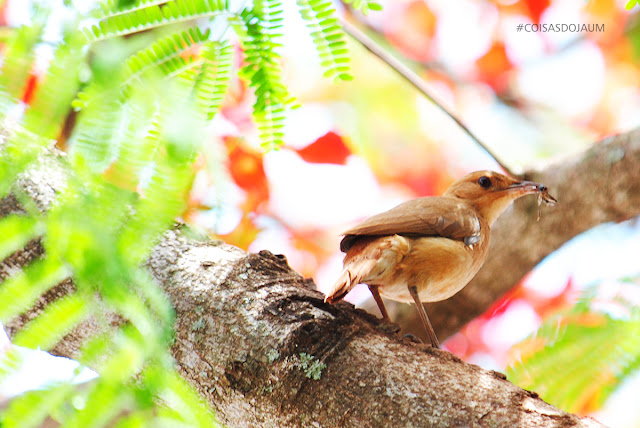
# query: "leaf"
{"type": "Point", "coordinates": [18, 59]}
{"type": "Point", "coordinates": [263, 69]}
{"type": "Point", "coordinates": [51, 100]}
{"type": "Point", "coordinates": [32, 408]}
{"type": "Point", "coordinates": [577, 359]}
{"type": "Point", "coordinates": [21, 290]}
{"type": "Point", "coordinates": [16, 231]}
{"type": "Point", "coordinates": [57, 319]}
{"type": "Point", "coordinates": [147, 15]}
{"type": "Point", "coordinates": [365, 6]}
{"type": "Point", "coordinates": [330, 148]}
{"type": "Point", "coordinates": [328, 37]}
{"type": "Point", "coordinates": [212, 83]}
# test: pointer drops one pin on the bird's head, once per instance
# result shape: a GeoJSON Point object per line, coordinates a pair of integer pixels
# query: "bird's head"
{"type": "Point", "coordinates": [490, 193]}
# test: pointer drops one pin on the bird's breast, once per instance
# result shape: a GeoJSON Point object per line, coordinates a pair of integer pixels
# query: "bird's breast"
{"type": "Point", "coordinates": [438, 267]}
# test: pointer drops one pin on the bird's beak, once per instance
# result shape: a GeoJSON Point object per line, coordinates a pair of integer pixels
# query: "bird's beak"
{"type": "Point", "coordinates": [529, 187]}
{"type": "Point", "coordinates": [526, 187]}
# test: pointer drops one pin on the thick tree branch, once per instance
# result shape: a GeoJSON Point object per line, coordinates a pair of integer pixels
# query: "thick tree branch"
{"type": "Point", "coordinates": [261, 345]}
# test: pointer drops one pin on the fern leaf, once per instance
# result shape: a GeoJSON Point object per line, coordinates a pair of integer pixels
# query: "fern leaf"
{"type": "Point", "coordinates": [264, 71]}
{"type": "Point", "coordinates": [31, 409]}
{"type": "Point", "coordinates": [212, 82]}
{"type": "Point", "coordinates": [52, 100]}
{"type": "Point", "coordinates": [97, 132]}
{"type": "Point", "coordinates": [21, 290]}
{"type": "Point", "coordinates": [576, 360]}
{"type": "Point", "coordinates": [139, 145]}
{"type": "Point", "coordinates": [58, 319]}
{"type": "Point", "coordinates": [95, 413]}
{"type": "Point", "coordinates": [20, 149]}
{"type": "Point", "coordinates": [18, 60]}
{"type": "Point", "coordinates": [328, 37]}
{"type": "Point", "coordinates": [166, 57]}
{"type": "Point", "coordinates": [16, 231]}
{"type": "Point", "coordinates": [153, 14]}
{"type": "Point", "coordinates": [365, 6]}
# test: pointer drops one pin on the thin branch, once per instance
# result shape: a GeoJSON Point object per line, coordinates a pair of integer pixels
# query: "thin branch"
{"type": "Point", "coordinates": [416, 81]}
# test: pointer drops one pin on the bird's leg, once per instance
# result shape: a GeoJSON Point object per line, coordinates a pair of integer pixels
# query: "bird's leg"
{"type": "Point", "coordinates": [378, 299]}
{"type": "Point", "coordinates": [423, 316]}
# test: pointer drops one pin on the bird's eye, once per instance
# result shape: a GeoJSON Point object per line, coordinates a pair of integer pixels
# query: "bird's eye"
{"type": "Point", "coordinates": [484, 182]}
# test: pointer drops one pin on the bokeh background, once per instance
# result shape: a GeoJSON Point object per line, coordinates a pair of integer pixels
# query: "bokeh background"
{"type": "Point", "coordinates": [356, 148]}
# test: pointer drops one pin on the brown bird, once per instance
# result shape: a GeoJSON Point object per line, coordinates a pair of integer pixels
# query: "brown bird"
{"type": "Point", "coordinates": [428, 249]}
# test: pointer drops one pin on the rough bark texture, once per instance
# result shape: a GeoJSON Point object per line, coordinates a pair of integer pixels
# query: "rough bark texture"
{"type": "Point", "coordinates": [260, 344]}
{"type": "Point", "coordinates": [597, 186]}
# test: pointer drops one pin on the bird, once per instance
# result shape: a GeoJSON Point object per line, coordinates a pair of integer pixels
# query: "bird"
{"type": "Point", "coordinates": [428, 249]}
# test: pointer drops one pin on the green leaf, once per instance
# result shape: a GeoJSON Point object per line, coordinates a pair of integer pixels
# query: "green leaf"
{"type": "Point", "coordinates": [16, 231]}
{"type": "Point", "coordinates": [32, 408]}
{"type": "Point", "coordinates": [20, 291]}
{"type": "Point", "coordinates": [577, 359]}
{"type": "Point", "coordinates": [57, 319]}
{"type": "Point", "coordinates": [151, 15]}
{"type": "Point", "coordinates": [213, 80]}
{"type": "Point", "coordinates": [263, 70]}
{"type": "Point", "coordinates": [328, 37]}
{"type": "Point", "coordinates": [18, 60]}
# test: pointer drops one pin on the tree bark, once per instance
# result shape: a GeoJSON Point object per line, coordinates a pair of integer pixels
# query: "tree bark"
{"type": "Point", "coordinates": [258, 341]}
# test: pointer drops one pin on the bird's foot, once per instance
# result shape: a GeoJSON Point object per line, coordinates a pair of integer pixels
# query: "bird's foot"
{"type": "Point", "coordinates": [412, 338]}
{"type": "Point", "coordinates": [389, 327]}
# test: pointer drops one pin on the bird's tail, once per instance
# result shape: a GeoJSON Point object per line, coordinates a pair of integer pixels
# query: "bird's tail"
{"type": "Point", "coordinates": [352, 275]}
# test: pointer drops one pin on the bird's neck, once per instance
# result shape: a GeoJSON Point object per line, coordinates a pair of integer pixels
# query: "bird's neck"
{"type": "Point", "coordinates": [490, 212]}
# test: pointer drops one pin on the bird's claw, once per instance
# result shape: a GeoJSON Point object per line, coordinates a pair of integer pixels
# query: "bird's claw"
{"type": "Point", "coordinates": [389, 327]}
{"type": "Point", "coordinates": [411, 338]}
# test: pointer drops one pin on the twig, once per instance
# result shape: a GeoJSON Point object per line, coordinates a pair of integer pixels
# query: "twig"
{"type": "Point", "coordinates": [416, 81]}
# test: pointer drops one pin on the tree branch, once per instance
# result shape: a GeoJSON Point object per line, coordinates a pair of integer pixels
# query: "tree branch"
{"type": "Point", "coordinates": [258, 341]}
{"type": "Point", "coordinates": [411, 77]}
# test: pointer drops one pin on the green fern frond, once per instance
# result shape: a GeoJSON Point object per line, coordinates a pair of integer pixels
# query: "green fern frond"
{"type": "Point", "coordinates": [98, 130]}
{"type": "Point", "coordinates": [141, 139]}
{"type": "Point", "coordinates": [164, 200]}
{"type": "Point", "coordinates": [31, 409]}
{"type": "Point", "coordinates": [166, 57]}
{"type": "Point", "coordinates": [21, 290]}
{"type": "Point", "coordinates": [264, 71]}
{"type": "Point", "coordinates": [577, 359]}
{"type": "Point", "coordinates": [212, 82]}
{"type": "Point", "coordinates": [18, 59]}
{"type": "Point", "coordinates": [365, 6]}
{"type": "Point", "coordinates": [57, 320]}
{"type": "Point", "coordinates": [18, 151]}
{"type": "Point", "coordinates": [153, 14]}
{"type": "Point", "coordinates": [328, 37]}
{"type": "Point", "coordinates": [16, 231]}
{"type": "Point", "coordinates": [52, 101]}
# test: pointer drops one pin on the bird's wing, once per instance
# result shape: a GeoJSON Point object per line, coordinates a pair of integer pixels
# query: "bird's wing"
{"type": "Point", "coordinates": [431, 216]}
